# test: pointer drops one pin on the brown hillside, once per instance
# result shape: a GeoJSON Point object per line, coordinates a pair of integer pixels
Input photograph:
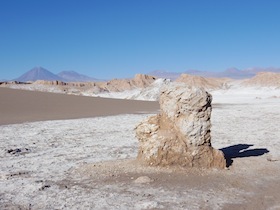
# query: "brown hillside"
{"type": "Point", "coordinates": [116, 85]}
{"type": "Point", "coordinates": [201, 82]}
{"type": "Point", "coordinates": [264, 79]}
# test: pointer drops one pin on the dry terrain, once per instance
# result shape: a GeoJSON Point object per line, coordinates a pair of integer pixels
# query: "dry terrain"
{"type": "Point", "coordinates": [90, 163]}
{"type": "Point", "coordinates": [17, 106]}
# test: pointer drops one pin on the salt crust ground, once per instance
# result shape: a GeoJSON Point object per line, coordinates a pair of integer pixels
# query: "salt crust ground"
{"type": "Point", "coordinates": [89, 163]}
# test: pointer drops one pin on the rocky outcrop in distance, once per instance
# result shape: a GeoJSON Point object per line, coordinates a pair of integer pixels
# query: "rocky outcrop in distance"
{"type": "Point", "coordinates": [264, 79]}
{"type": "Point", "coordinates": [145, 87]}
{"type": "Point", "coordinates": [45, 82]}
{"type": "Point", "coordinates": [232, 73]}
{"type": "Point", "coordinates": [140, 82]}
{"type": "Point", "coordinates": [180, 133]}
{"type": "Point", "coordinates": [117, 85]}
{"type": "Point", "coordinates": [201, 82]}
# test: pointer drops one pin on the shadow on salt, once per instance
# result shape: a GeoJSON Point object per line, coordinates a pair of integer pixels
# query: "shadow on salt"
{"type": "Point", "coordinates": [240, 151]}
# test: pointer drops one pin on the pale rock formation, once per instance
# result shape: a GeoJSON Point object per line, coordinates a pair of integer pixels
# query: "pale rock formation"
{"type": "Point", "coordinates": [118, 85]}
{"type": "Point", "coordinates": [46, 82]}
{"type": "Point", "coordinates": [60, 83]}
{"type": "Point", "coordinates": [152, 92]}
{"type": "Point", "coordinates": [180, 134]}
{"type": "Point", "coordinates": [126, 88]}
{"type": "Point", "coordinates": [7, 83]}
{"type": "Point", "coordinates": [82, 84]}
{"type": "Point", "coordinates": [264, 79]}
{"type": "Point", "coordinates": [142, 80]}
{"type": "Point", "coordinates": [201, 82]}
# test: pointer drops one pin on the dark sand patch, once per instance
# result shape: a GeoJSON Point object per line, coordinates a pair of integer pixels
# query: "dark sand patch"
{"type": "Point", "coordinates": [18, 106]}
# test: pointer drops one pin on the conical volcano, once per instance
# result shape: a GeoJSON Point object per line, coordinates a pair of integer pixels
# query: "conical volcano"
{"type": "Point", "coordinates": [38, 73]}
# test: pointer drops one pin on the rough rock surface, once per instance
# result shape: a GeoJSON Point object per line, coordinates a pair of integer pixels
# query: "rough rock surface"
{"type": "Point", "coordinates": [180, 134]}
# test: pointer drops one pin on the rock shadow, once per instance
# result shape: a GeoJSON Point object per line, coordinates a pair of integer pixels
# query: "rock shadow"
{"type": "Point", "coordinates": [240, 151]}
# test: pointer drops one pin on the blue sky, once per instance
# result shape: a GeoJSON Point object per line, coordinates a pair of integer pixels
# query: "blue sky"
{"type": "Point", "coordinates": [119, 38]}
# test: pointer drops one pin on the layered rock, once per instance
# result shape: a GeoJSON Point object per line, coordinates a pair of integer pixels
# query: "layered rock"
{"type": "Point", "coordinates": [180, 134]}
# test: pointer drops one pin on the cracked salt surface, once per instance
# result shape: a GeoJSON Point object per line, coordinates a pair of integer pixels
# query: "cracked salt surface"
{"type": "Point", "coordinates": [37, 173]}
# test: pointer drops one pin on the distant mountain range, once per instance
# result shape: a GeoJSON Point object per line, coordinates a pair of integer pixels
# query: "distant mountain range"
{"type": "Point", "coordinates": [39, 73]}
{"type": "Point", "coordinates": [233, 73]}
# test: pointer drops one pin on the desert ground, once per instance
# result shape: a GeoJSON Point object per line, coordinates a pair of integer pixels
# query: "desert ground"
{"type": "Point", "coordinates": [19, 106]}
{"type": "Point", "coordinates": [52, 161]}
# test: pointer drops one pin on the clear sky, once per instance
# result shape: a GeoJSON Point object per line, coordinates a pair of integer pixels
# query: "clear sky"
{"type": "Point", "coordinates": [119, 38]}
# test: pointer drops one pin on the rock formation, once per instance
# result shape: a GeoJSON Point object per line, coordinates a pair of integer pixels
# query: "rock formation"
{"type": "Point", "coordinates": [180, 134]}
{"type": "Point", "coordinates": [118, 85]}
{"type": "Point", "coordinates": [47, 82]}
{"type": "Point", "coordinates": [201, 82]}
{"type": "Point", "coordinates": [264, 79]}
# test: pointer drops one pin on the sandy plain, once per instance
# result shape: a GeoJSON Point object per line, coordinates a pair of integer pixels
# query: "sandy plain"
{"type": "Point", "coordinates": [90, 163]}
{"type": "Point", "coordinates": [18, 106]}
